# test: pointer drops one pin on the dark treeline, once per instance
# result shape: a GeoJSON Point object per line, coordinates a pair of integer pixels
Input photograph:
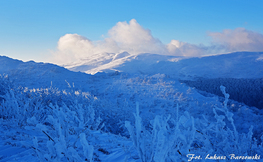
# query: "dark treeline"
{"type": "Point", "coordinates": [247, 91]}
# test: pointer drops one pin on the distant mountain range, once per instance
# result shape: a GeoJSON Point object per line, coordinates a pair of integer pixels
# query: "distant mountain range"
{"type": "Point", "coordinates": [232, 65]}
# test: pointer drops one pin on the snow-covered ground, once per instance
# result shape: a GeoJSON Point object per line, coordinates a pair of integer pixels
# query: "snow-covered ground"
{"type": "Point", "coordinates": [140, 113]}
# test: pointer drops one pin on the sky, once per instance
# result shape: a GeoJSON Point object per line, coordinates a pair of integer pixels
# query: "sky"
{"type": "Point", "coordinates": [65, 31]}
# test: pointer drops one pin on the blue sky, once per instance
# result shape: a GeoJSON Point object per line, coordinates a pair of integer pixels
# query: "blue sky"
{"type": "Point", "coordinates": [30, 30]}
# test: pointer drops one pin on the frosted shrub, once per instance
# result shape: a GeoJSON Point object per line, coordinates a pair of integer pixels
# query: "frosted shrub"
{"type": "Point", "coordinates": [87, 149]}
{"type": "Point", "coordinates": [4, 86]}
{"type": "Point", "coordinates": [168, 139]}
{"type": "Point", "coordinates": [63, 118]}
{"type": "Point", "coordinates": [162, 142]}
{"type": "Point", "coordinates": [66, 128]}
{"type": "Point", "coordinates": [13, 104]}
{"type": "Point", "coordinates": [222, 138]}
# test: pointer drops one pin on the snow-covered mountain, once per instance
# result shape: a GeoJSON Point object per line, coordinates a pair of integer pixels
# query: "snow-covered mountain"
{"type": "Point", "coordinates": [233, 65]}
{"type": "Point", "coordinates": [142, 113]}
{"type": "Point", "coordinates": [32, 74]}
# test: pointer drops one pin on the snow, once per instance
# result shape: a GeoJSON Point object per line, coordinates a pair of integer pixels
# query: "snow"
{"type": "Point", "coordinates": [233, 65]}
{"type": "Point", "coordinates": [141, 112]}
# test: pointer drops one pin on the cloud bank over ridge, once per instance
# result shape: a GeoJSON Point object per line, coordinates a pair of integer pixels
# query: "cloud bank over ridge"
{"type": "Point", "coordinates": [135, 39]}
{"type": "Point", "coordinates": [238, 39]}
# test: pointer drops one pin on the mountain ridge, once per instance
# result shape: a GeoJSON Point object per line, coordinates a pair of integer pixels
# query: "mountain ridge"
{"type": "Point", "coordinates": [32, 74]}
{"type": "Point", "coordinates": [232, 65]}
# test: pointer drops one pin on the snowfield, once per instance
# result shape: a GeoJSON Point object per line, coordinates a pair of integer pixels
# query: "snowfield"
{"type": "Point", "coordinates": [139, 108]}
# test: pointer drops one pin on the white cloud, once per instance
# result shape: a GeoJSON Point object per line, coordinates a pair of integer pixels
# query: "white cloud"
{"type": "Point", "coordinates": [135, 39]}
{"type": "Point", "coordinates": [238, 39]}
{"type": "Point", "coordinates": [130, 37]}
{"type": "Point", "coordinates": [178, 48]}
{"type": "Point", "coordinates": [71, 47]}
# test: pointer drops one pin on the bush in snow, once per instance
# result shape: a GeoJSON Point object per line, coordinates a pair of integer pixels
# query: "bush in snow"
{"type": "Point", "coordinates": [223, 138]}
{"type": "Point", "coordinates": [175, 140]}
{"type": "Point", "coordinates": [4, 84]}
{"type": "Point", "coordinates": [65, 118]}
{"type": "Point", "coordinates": [66, 130]}
{"type": "Point", "coordinates": [163, 142]}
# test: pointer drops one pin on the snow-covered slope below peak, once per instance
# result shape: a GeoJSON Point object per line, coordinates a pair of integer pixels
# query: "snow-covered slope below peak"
{"type": "Point", "coordinates": [118, 62]}
{"type": "Point", "coordinates": [98, 62]}
{"type": "Point", "coordinates": [121, 55]}
{"type": "Point", "coordinates": [233, 65]}
{"type": "Point", "coordinates": [131, 63]}
{"type": "Point", "coordinates": [90, 62]}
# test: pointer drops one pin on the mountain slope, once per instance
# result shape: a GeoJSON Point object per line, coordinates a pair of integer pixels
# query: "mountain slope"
{"type": "Point", "coordinates": [37, 75]}
{"type": "Point", "coordinates": [233, 65]}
